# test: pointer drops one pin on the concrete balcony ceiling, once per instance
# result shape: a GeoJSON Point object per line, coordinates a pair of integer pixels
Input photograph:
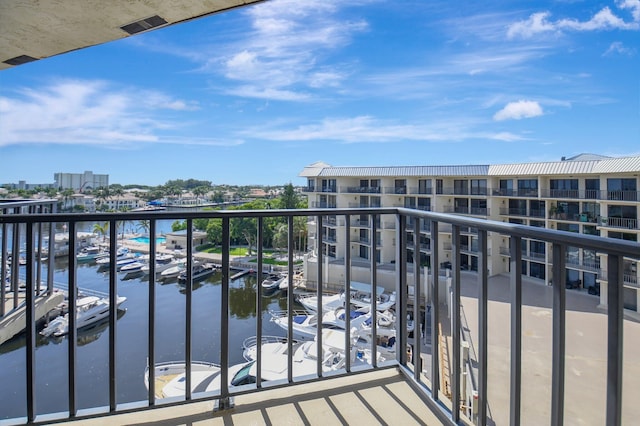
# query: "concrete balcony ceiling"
{"type": "Point", "coordinates": [32, 30]}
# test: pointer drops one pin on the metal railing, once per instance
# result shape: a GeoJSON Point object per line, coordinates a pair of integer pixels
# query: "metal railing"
{"type": "Point", "coordinates": [30, 225]}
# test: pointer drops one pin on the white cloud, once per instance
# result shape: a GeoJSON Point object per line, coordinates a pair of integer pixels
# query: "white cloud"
{"type": "Point", "coordinates": [604, 19]}
{"type": "Point", "coordinates": [367, 129]}
{"type": "Point", "coordinates": [84, 112]}
{"type": "Point", "coordinates": [633, 5]}
{"type": "Point", "coordinates": [286, 50]}
{"type": "Point", "coordinates": [537, 23]}
{"type": "Point", "coordinates": [617, 48]}
{"type": "Point", "coordinates": [518, 110]}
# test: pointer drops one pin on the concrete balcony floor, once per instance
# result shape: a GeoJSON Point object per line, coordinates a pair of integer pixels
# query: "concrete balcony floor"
{"type": "Point", "coordinates": [377, 397]}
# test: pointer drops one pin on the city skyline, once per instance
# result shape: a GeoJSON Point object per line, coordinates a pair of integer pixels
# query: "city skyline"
{"type": "Point", "coordinates": [252, 96]}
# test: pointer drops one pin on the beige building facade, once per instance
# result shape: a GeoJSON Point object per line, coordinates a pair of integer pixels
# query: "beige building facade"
{"type": "Point", "coordinates": [587, 194]}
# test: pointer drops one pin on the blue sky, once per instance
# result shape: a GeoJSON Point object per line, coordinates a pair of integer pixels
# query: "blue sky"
{"type": "Point", "coordinates": [254, 95]}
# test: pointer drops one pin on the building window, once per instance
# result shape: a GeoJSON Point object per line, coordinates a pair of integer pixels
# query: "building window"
{"type": "Point", "coordinates": [592, 188]}
{"type": "Point", "coordinates": [528, 187]}
{"type": "Point", "coordinates": [478, 187]}
{"type": "Point", "coordinates": [439, 186]}
{"type": "Point", "coordinates": [460, 187]}
{"type": "Point", "coordinates": [622, 189]}
{"type": "Point", "coordinates": [364, 252]}
{"type": "Point", "coordinates": [506, 187]}
{"type": "Point", "coordinates": [564, 188]}
{"type": "Point", "coordinates": [424, 186]}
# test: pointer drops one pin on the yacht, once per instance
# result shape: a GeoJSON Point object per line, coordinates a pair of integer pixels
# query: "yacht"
{"type": "Point", "coordinates": [360, 297]}
{"type": "Point", "coordinates": [200, 272]}
{"type": "Point", "coordinates": [89, 310]}
{"type": "Point", "coordinates": [163, 262]}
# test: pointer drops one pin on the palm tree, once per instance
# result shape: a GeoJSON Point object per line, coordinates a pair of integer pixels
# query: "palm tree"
{"type": "Point", "coordinates": [144, 225]}
{"type": "Point", "coordinates": [198, 191]}
{"type": "Point", "coordinates": [65, 196]}
{"type": "Point", "coordinates": [116, 191]}
{"type": "Point", "coordinates": [101, 194]}
{"type": "Point", "coordinates": [101, 230]}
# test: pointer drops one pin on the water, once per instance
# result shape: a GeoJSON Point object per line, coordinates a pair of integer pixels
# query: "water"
{"type": "Point", "coordinates": [92, 384]}
{"type": "Point", "coordinates": [145, 240]}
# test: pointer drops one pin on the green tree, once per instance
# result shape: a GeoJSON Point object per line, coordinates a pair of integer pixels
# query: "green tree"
{"type": "Point", "coordinates": [289, 198]}
{"type": "Point", "coordinates": [214, 231]}
{"type": "Point", "coordinates": [101, 229]}
{"type": "Point", "coordinates": [116, 190]}
{"type": "Point", "coordinates": [244, 229]}
{"type": "Point", "coordinates": [65, 196]}
{"type": "Point", "coordinates": [179, 225]}
{"type": "Point", "coordinates": [102, 194]}
{"type": "Point", "coordinates": [143, 225]}
{"type": "Point", "coordinates": [199, 191]}
{"type": "Point", "coordinates": [280, 236]}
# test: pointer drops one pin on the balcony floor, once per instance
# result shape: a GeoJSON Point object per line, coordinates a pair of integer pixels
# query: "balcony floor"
{"type": "Point", "coordinates": [376, 397]}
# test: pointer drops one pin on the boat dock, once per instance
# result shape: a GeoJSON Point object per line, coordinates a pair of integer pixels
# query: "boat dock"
{"type": "Point", "coordinates": [240, 274]}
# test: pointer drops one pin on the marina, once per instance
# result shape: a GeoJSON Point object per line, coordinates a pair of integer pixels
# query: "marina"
{"type": "Point", "coordinates": [92, 350]}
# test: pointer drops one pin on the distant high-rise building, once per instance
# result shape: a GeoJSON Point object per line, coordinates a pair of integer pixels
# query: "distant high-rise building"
{"type": "Point", "coordinates": [80, 181]}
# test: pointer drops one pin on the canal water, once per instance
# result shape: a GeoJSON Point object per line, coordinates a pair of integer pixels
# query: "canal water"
{"type": "Point", "coordinates": [92, 372]}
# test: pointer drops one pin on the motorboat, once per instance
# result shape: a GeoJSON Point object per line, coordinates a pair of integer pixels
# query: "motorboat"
{"type": "Point", "coordinates": [360, 297]}
{"type": "Point", "coordinates": [305, 353]}
{"type": "Point", "coordinates": [132, 267]}
{"type": "Point", "coordinates": [305, 324]}
{"type": "Point", "coordinates": [121, 253]}
{"type": "Point", "coordinates": [163, 262]}
{"type": "Point", "coordinates": [90, 253]}
{"type": "Point", "coordinates": [170, 378]}
{"type": "Point", "coordinates": [89, 310]}
{"type": "Point", "coordinates": [272, 283]}
{"type": "Point", "coordinates": [173, 271]}
{"type": "Point", "coordinates": [199, 272]}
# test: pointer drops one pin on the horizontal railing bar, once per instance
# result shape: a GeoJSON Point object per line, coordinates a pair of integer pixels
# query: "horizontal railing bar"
{"type": "Point", "coordinates": [630, 249]}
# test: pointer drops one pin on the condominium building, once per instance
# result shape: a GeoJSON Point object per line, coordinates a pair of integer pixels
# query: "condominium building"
{"type": "Point", "coordinates": [587, 194]}
{"type": "Point", "coordinates": [80, 181]}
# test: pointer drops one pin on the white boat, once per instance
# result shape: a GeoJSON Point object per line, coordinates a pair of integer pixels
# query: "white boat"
{"type": "Point", "coordinates": [305, 353]}
{"type": "Point", "coordinates": [200, 271]}
{"type": "Point", "coordinates": [174, 271]}
{"type": "Point", "coordinates": [163, 262]}
{"type": "Point", "coordinates": [305, 324]}
{"type": "Point", "coordinates": [272, 283]}
{"type": "Point", "coordinates": [121, 253]}
{"type": "Point", "coordinates": [89, 253]}
{"type": "Point", "coordinates": [89, 310]}
{"type": "Point", "coordinates": [360, 297]}
{"type": "Point", "coordinates": [170, 378]}
{"type": "Point", "coordinates": [132, 267]}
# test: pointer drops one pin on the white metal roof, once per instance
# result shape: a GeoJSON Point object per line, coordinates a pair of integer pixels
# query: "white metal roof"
{"type": "Point", "coordinates": [604, 165]}
{"type": "Point", "coordinates": [396, 171]}
{"type": "Point", "coordinates": [549, 168]}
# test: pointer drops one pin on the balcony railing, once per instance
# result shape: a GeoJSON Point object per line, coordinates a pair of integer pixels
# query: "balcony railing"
{"type": "Point", "coordinates": [619, 222]}
{"type": "Point", "coordinates": [448, 400]}
{"type": "Point", "coordinates": [360, 190]}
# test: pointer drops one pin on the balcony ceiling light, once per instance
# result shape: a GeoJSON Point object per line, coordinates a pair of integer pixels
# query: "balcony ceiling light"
{"type": "Point", "coordinates": [19, 60]}
{"type": "Point", "coordinates": [144, 24]}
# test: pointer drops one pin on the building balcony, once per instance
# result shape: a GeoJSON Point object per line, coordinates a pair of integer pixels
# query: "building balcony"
{"type": "Point", "coordinates": [450, 373]}
{"type": "Point", "coordinates": [395, 190]}
{"type": "Point", "coordinates": [308, 189]}
{"type": "Point", "coordinates": [504, 211]}
{"type": "Point", "coordinates": [619, 222]}
{"type": "Point", "coordinates": [420, 191]}
{"type": "Point", "coordinates": [360, 190]}
{"type": "Point", "coordinates": [322, 205]}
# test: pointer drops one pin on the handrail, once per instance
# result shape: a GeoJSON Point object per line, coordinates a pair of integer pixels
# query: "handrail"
{"type": "Point", "coordinates": [616, 249]}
